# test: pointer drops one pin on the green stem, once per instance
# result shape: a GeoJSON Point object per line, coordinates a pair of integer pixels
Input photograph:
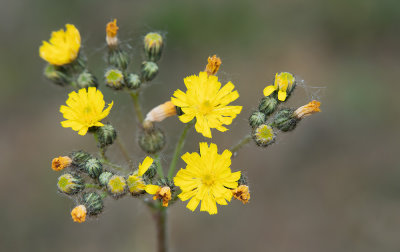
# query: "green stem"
{"type": "Point", "coordinates": [93, 186]}
{"type": "Point", "coordinates": [117, 167]}
{"type": "Point", "coordinates": [178, 149]}
{"type": "Point", "coordinates": [160, 217]}
{"type": "Point", "coordinates": [159, 167]}
{"type": "Point", "coordinates": [124, 152]}
{"type": "Point", "coordinates": [136, 105]}
{"type": "Point", "coordinates": [240, 144]}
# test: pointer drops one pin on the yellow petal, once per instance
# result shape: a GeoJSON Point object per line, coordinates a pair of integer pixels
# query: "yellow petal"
{"type": "Point", "coordinates": [269, 90]}
{"type": "Point", "coordinates": [282, 95]}
{"type": "Point", "coordinates": [143, 167]}
{"type": "Point", "coordinates": [152, 189]}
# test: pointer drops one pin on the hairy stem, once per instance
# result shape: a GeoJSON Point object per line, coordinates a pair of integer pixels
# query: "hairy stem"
{"type": "Point", "coordinates": [124, 152]}
{"type": "Point", "coordinates": [136, 105]}
{"type": "Point", "coordinates": [240, 144]}
{"type": "Point", "coordinates": [159, 167]}
{"type": "Point", "coordinates": [160, 217]}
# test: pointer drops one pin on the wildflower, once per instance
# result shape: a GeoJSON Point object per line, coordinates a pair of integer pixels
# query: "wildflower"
{"type": "Point", "coordinates": [207, 178]}
{"type": "Point", "coordinates": [111, 33]}
{"type": "Point", "coordinates": [84, 110]}
{"type": "Point", "coordinates": [60, 163]}
{"type": "Point", "coordinates": [148, 70]}
{"type": "Point", "coordinates": [63, 46]}
{"type": "Point", "coordinates": [207, 102]}
{"type": "Point", "coordinates": [284, 83]}
{"type": "Point", "coordinates": [213, 65]}
{"type": "Point", "coordinates": [163, 193]}
{"type": "Point", "coordinates": [70, 183]}
{"type": "Point", "coordinates": [114, 78]}
{"type": "Point", "coordinates": [153, 45]}
{"type": "Point", "coordinates": [161, 112]}
{"type": "Point", "coordinates": [152, 140]}
{"type": "Point", "coordinates": [135, 181]}
{"type": "Point", "coordinates": [116, 185]}
{"type": "Point", "coordinates": [93, 167]}
{"type": "Point", "coordinates": [79, 213]}
{"type": "Point", "coordinates": [264, 135]}
{"type": "Point", "coordinates": [242, 193]}
{"type": "Point", "coordinates": [93, 203]}
{"type": "Point", "coordinates": [306, 110]}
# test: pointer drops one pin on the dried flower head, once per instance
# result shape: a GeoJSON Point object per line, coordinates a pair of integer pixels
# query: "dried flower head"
{"type": "Point", "coordinates": [242, 193]}
{"type": "Point", "coordinates": [60, 163]}
{"type": "Point", "coordinates": [162, 193]}
{"type": "Point", "coordinates": [307, 110]}
{"type": "Point", "coordinates": [213, 65]}
{"type": "Point", "coordinates": [79, 213]}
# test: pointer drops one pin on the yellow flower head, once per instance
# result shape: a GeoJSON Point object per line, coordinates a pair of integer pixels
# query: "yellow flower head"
{"type": "Point", "coordinates": [213, 65]}
{"type": "Point", "coordinates": [84, 110]}
{"type": "Point", "coordinates": [63, 46]}
{"type": "Point", "coordinates": [60, 163]}
{"type": "Point", "coordinates": [163, 193]}
{"type": "Point", "coordinates": [79, 213]}
{"type": "Point", "coordinates": [308, 109]}
{"type": "Point", "coordinates": [207, 178]}
{"type": "Point", "coordinates": [207, 101]}
{"type": "Point", "coordinates": [135, 182]}
{"type": "Point", "coordinates": [242, 193]}
{"type": "Point", "coordinates": [284, 83]}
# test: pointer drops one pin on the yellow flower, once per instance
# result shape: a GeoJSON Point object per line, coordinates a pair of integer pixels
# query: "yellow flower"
{"type": "Point", "coordinates": [79, 213]}
{"type": "Point", "coordinates": [84, 110]}
{"type": "Point", "coordinates": [283, 83]}
{"type": "Point", "coordinates": [135, 181]}
{"type": "Point", "coordinates": [242, 193]}
{"type": "Point", "coordinates": [308, 109]}
{"type": "Point", "coordinates": [60, 163]}
{"type": "Point", "coordinates": [207, 102]}
{"type": "Point", "coordinates": [163, 193]}
{"type": "Point", "coordinates": [63, 46]}
{"type": "Point", "coordinates": [207, 178]}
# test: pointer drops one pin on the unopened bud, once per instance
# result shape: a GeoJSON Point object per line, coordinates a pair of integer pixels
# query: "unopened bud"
{"type": "Point", "coordinates": [86, 79]}
{"type": "Point", "coordinates": [213, 65]}
{"type": "Point", "coordinates": [106, 135]}
{"type": "Point", "coordinates": [70, 183]}
{"type": "Point", "coordinates": [118, 58]}
{"type": "Point", "coordinates": [93, 203]}
{"type": "Point", "coordinates": [149, 70]}
{"type": "Point", "coordinates": [56, 75]}
{"type": "Point", "coordinates": [105, 177]}
{"type": "Point", "coordinates": [153, 45]}
{"type": "Point", "coordinates": [161, 112]}
{"type": "Point", "coordinates": [93, 167]}
{"type": "Point", "coordinates": [79, 158]}
{"type": "Point", "coordinates": [152, 141]}
{"type": "Point", "coordinates": [133, 81]}
{"type": "Point", "coordinates": [114, 78]}
{"type": "Point", "coordinates": [256, 119]}
{"type": "Point", "coordinates": [284, 120]}
{"type": "Point", "coordinates": [268, 105]}
{"type": "Point", "coordinates": [263, 135]}
{"type": "Point", "coordinates": [117, 185]}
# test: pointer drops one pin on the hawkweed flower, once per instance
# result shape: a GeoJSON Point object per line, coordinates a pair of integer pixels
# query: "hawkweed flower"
{"type": "Point", "coordinates": [307, 110]}
{"type": "Point", "coordinates": [63, 46]}
{"type": "Point", "coordinates": [284, 84]}
{"type": "Point", "coordinates": [161, 112]}
{"type": "Point", "coordinates": [162, 193]}
{"type": "Point", "coordinates": [135, 181]}
{"type": "Point", "coordinates": [60, 163]}
{"type": "Point", "coordinates": [264, 135]}
{"type": "Point", "coordinates": [242, 193]}
{"type": "Point", "coordinates": [208, 102]}
{"type": "Point", "coordinates": [84, 110]}
{"type": "Point", "coordinates": [213, 65]}
{"type": "Point", "coordinates": [111, 33]}
{"type": "Point", "coordinates": [116, 185]}
{"type": "Point", "coordinates": [207, 178]}
{"type": "Point", "coordinates": [79, 213]}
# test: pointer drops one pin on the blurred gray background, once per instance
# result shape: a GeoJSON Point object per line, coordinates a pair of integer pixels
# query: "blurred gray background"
{"type": "Point", "coordinates": [331, 185]}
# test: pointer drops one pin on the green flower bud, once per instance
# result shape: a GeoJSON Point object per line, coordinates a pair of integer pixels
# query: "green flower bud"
{"type": "Point", "coordinates": [93, 167]}
{"type": "Point", "coordinates": [114, 78]}
{"type": "Point", "coordinates": [284, 120]}
{"type": "Point", "coordinates": [151, 172]}
{"type": "Point", "coordinates": [153, 45]}
{"type": "Point", "coordinates": [70, 183]}
{"type": "Point", "coordinates": [268, 105]}
{"type": "Point", "coordinates": [264, 135]}
{"type": "Point", "coordinates": [106, 135]}
{"type": "Point", "coordinates": [243, 179]}
{"type": "Point", "coordinates": [86, 79]}
{"type": "Point", "coordinates": [117, 186]}
{"type": "Point", "coordinates": [79, 158]}
{"type": "Point", "coordinates": [256, 119]}
{"type": "Point", "coordinates": [152, 141]}
{"type": "Point", "coordinates": [105, 177]}
{"type": "Point", "coordinates": [93, 203]}
{"type": "Point", "coordinates": [118, 58]}
{"type": "Point", "coordinates": [56, 75]}
{"type": "Point", "coordinates": [133, 81]}
{"type": "Point", "coordinates": [149, 70]}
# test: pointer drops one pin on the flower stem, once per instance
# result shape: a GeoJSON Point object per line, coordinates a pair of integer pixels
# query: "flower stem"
{"type": "Point", "coordinates": [117, 167]}
{"type": "Point", "coordinates": [93, 186]}
{"type": "Point", "coordinates": [160, 217]}
{"type": "Point", "coordinates": [136, 105]}
{"type": "Point", "coordinates": [124, 152]}
{"type": "Point", "coordinates": [240, 144]}
{"type": "Point", "coordinates": [159, 167]}
{"type": "Point", "coordinates": [178, 149]}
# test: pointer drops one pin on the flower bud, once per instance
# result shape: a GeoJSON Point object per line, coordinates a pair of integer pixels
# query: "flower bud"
{"type": "Point", "coordinates": [56, 75]}
{"type": "Point", "coordinates": [70, 183]}
{"type": "Point", "coordinates": [149, 70]}
{"type": "Point", "coordinates": [153, 45]}
{"type": "Point", "coordinates": [79, 213]}
{"type": "Point", "coordinates": [268, 105]}
{"type": "Point", "coordinates": [93, 203]}
{"type": "Point", "coordinates": [213, 65]}
{"type": "Point", "coordinates": [135, 183]}
{"type": "Point", "coordinates": [152, 141]}
{"type": "Point", "coordinates": [93, 167]}
{"type": "Point", "coordinates": [284, 120]}
{"type": "Point", "coordinates": [151, 172]}
{"type": "Point", "coordinates": [86, 79]}
{"type": "Point", "coordinates": [117, 186]}
{"type": "Point", "coordinates": [114, 78]}
{"type": "Point", "coordinates": [106, 135]}
{"type": "Point", "coordinates": [256, 119]}
{"type": "Point", "coordinates": [79, 158]}
{"type": "Point", "coordinates": [263, 135]}
{"type": "Point", "coordinates": [284, 83]}
{"type": "Point", "coordinates": [60, 163]}
{"type": "Point", "coordinates": [133, 81]}
{"type": "Point", "coordinates": [105, 177]}
{"type": "Point", "coordinates": [118, 58]}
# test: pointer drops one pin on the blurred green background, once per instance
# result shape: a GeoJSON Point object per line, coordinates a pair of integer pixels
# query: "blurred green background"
{"type": "Point", "coordinates": [331, 185]}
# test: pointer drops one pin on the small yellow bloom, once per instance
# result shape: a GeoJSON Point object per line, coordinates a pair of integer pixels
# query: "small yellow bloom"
{"type": "Point", "coordinates": [208, 102]}
{"type": "Point", "coordinates": [116, 185]}
{"type": "Point", "coordinates": [60, 163]}
{"type": "Point", "coordinates": [284, 83]}
{"type": "Point", "coordinates": [135, 181]}
{"type": "Point", "coordinates": [207, 178]}
{"type": "Point", "coordinates": [79, 213]}
{"type": "Point", "coordinates": [163, 193]}
{"type": "Point", "coordinates": [63, 46]}
{"type": "Point", "coordinates": [111, 31]}
{"type": "Point", "coordinates": [242, 193]}
{"type": "Point", "coordinates": [84, 110]}
{"type": "Point", "coordinates": [213, 65]}
{"type": "Point", "coordinates": [308, 109]}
